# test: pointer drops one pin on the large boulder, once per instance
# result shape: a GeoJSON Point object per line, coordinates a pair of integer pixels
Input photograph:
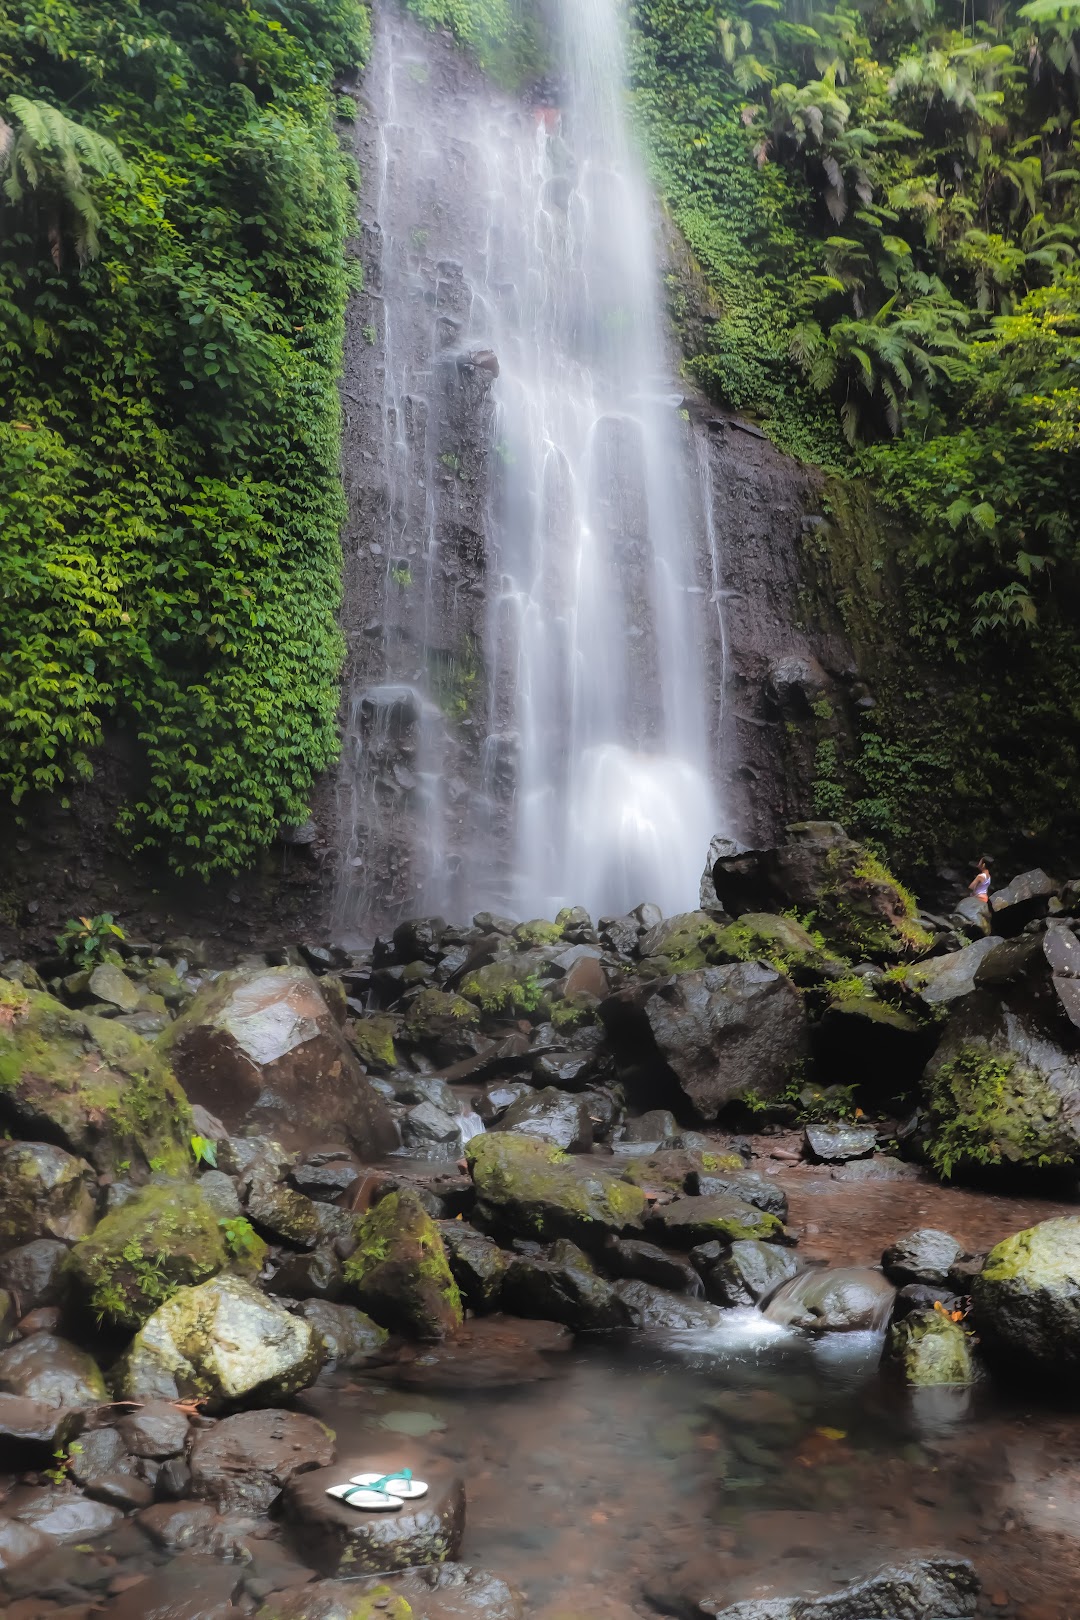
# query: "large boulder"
{"type": "Point", "coordinates": [399, 1271]}
{"type": "Point", "coordinates": [841, 1299]}
{"type": "Point", "coordinates": [939, 1588]}
{"type": "Point", "coordinates": [744, 1272]}
{"type": "Point", "coordinates": [926, 1256]}
{"type": "Point", "coordinates": [261, 1046]}
{"type": "Point", "coordinates": [1000, 1090]}
{"type": "Point", "coordinates": [928, 1348]}
{"type": "Point", "coordinates": [349, 1337]}
{"type": "Point", "coordinates": [561, 1285]}
{"type": "Point", "coordinates": [529, 1188]}
{"type": "Point", "coordinates": [554, 1116]}
{"type": "Point", "coordinates": [1027, 1300]}
{"type": "Point", "coordinates": [337, 1540]}
{"type": "Point", "coordinates": [719, 1217]}
{"type": "Point", "coordinates": [44, 1193]}
{"type": "Point", "coordinates": [223, 1342]}
{"type": "Point", "coordinates": [163, 1238]}
{"type": "Point", "coordinates": [243, 1463]}
{"type": "Point", "coordinates": [729, 1032]}
{"type": "Point", "coordinates": [477, 1263]}
{"type": "Point", "coordinates": [91, 1086]}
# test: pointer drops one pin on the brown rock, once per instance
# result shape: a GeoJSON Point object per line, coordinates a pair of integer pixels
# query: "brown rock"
{"type": "Point", "coordinates": [243, 1462]}
{"type": "Point", "coordinates": [336, 1539]}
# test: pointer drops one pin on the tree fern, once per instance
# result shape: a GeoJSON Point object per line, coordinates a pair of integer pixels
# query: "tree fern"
{"type": "Point", "coordinates": [47, 159]}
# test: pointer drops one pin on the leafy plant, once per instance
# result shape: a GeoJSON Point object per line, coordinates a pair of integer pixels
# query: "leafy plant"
{"type": "Point", "coordinates": [205, 1151]}
{"type": "Point", "coordinates": [86, 940]}
{"type": "Point", "coordinates": [402, 576]}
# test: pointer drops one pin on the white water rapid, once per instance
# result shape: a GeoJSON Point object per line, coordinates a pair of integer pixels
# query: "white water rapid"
{"type": "Point", "coordinates": [536, 713]}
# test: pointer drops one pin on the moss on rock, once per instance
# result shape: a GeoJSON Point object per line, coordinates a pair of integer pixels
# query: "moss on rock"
{"type": "Point", "coordinates": [162, 1239]}
{"type": "Point", "coordinates": [538, 932]}
{"type": "Point", "coordinates": [91, 1085]}
{"type": "Point", "coordinates": [928, 1348]}
{"type": "Point", "coordinates": [508, 985]}
{"type": "Point", "coordinates": [399, 1271]}
{"type": "Point", "coordinates": [435, 1013]}
{"type": "Point", "coordinates": [372, 1040]}
{"type": "Point", "coordinates": [532, 1189]}
{"type": "Point", "coordinates": [987, 1110]}
{"type": "Point", "coordinates": [1027, 1299]}
{"type": "Point", "coordinates": [781, 941]}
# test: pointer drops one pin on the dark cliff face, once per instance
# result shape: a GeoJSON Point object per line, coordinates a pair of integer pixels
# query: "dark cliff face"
{"type": "Point", "coordinates": [421, 458]}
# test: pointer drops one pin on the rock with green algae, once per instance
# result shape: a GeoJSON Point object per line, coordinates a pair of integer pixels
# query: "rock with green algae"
{"type": "Point", "coordinates": [858, 906]}
{"type": "Point", "coordinates": [94, 1087]}
{"type": "Point", "coordinates": [44, 1193]}
{"type": "Point", "coordinates": [372, 1039]}
{"type": "Point", "coordinates": [399, 1271]}
{"type": "Point", "coordinates": [927, 1347]}
{"type": "Point", "coordinates": [781, 941]}
{"type": "Point", "coordinates": [530, 1188]}
{"type": "Point", "coordinates": [223, 1342]}
{"type": "Point", "coordinates": [162, 1239]}
{"type": "Point", "coordinates": [682, 943]}
{"type": "Point", "coordinates": [511, 984]}
{"type": "Point", "coordinates": [1027, 1300]}
{"type": "Point", "coordinates": [442, 1024]}
{"type": "Point", "coordinates": [438, 1592]}
{"type": "Point", "coordinates": [260, 1046]}
{"type": "Point", "coordinates": [538, 932]}
{"type": "Point", "coordinates": [686, 1222]}
{"type": "Point", "coordinates": [1000, 1092]}
{"type": "Point", "coordinates": [336, 1600]}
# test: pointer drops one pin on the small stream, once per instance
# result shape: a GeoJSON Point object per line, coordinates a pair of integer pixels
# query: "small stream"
{"type": "Point", "coordinates": [650, 1472]}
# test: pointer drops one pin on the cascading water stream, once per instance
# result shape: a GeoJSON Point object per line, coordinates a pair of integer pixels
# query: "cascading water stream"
{"type": "Point", "coordinates": [551, 616]}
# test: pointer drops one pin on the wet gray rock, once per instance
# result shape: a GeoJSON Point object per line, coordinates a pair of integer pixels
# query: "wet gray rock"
{"type": "Point", "coordinates": [220, 1193]}
{"type": "Point", "coordinates": [244, 1462]}
{"type": "Point", "coordinates": [726, 1031]}
{"type": "Point", "coordinates": [840, 1299]}
{"type": "Point", "coordinates": [20, 1542]}
{"type": "Point", "coordinates": [110, 984]}
{"type": "Point", "coordinates": [32, 1432]}
{"type": "Point", "coordinates": [645, 1262]}
{"type": "Point", "coordinates": [187, 1588]}
{"type": "Point", "coordinates": [224, 1341]}
{"type": "Point", "coordinates": [745, 1185]}
{"type": "Point", "coordinates": [326, 1181]}
{"type": "Point", "coordinates": [124, 1491]}
{"type": "Point", "coordinates": [1021, 901]}
{"type": "Point", "coordinates": [35, 1273]}
{"type": "Point", "coordinates": [439, 1592]}
{"type": "Point", "coordinates": [742, 1273]}
{"type": "Point", "coordinates": [426, 1128]}
{"type": "Point", "coordinates": [553, 1116]}
{"type": "Point", "coordinates": [560, 1284]}
{"type": "Point", "coordinates": [649, 1307]}
{"type": "Point", "coordinates": [334, 1539]}
{"type": "Point", "coordinates": [570, 1070]}
{"type": "Point", "coordinates": [63, 1513]}
{"type": "Point", "coordinates": [943, 1588]}
{"type": "Point", "coordinates": [686, 1222]}
{"type": "Point", "coordinates": [260, 1045]}
{"type": "Point", "coordinates": [101, 1454]}
{"type": "Point", "coordinates": [157, 1429]}
{"type": "Point", "coordinates": [280, 1212]}
{"type": "Point", "coordinates": [835, 1144]}
{"type": "Point", "coordinates": [926, 1256]}
{"type": "Point", "coordinates": [477, 1264]}
{"type": "Point", "coordinates": [941, 979]}
{"type": "Point", "coordinates": [1027, 1301]}
{"type": "Point", "coordinates": [44, 1193]}
{"type": "Point", "coordinates": [491, 1103]}
{"type": "Point", "coordinates": [316, 1275]}
{"type": "Point", "coordinates": [48, 1369]}
{"type": "Point", "coordinates": [658, 1127]}
{"type": "Point", "coordinates": [350, 1338]}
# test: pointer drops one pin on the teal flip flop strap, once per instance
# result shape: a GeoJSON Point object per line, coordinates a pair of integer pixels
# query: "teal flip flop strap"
{"type": "Point", "coordinates": [381, 1484]}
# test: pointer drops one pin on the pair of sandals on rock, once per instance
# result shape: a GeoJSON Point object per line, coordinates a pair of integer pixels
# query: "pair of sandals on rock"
{"type": "Point", "coordinates": [379, 1493]}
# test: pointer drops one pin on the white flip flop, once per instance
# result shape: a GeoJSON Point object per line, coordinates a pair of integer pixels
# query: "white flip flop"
{"type": "Point", "coordinates": [356, 1496]}
{"type": "Point", "coordinates": [400, 1485]}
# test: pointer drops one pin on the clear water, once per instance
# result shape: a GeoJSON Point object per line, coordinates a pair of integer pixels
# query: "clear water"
{"type": "Point", "coordinates": [592, 773]}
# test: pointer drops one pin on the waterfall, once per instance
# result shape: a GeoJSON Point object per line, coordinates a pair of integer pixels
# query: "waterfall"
{"type": "Point", "coordinates": [536, 700]}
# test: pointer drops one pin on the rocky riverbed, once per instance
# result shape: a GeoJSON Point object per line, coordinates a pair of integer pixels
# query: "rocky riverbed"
{"type": "Point", "coordinates": [692, 1261]}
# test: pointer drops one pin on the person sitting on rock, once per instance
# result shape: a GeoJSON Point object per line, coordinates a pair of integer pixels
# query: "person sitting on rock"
{"type": "Point", "coordinates": [980, 883]}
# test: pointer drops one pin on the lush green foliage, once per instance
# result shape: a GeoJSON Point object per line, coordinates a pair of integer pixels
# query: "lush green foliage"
{"type": "Point", "coordinates": [504, 35]}
{"type": "Point", "coordinates": [172, 290]}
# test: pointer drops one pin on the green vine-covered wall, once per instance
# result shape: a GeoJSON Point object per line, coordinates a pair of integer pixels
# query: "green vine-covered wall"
{"type": "Point", "coordinates": [174, 209]}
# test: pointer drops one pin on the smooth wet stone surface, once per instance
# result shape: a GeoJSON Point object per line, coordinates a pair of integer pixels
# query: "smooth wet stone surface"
{"type": "Point", "coordinates": [243, 1463]}
{"type": "Point", "coordinates": [44, 1193]}
{"type": "Point", "coordinates": [52, 1370]}
{"type": "Point", "coordinates": [440, 1592]}
{"type": "Point", "coordinates": [63, 1513]}
{"type": "Point", "coordinates": [20, 1542]}
{"type": "Point", "coordinates": [188, 1588]}
{"type": "Point", "coordinates": [926, 1256]}
{"type": "Point", "coordinates": [834, 1144]}
{"type": "Point", "coordinates": [335, 1539]}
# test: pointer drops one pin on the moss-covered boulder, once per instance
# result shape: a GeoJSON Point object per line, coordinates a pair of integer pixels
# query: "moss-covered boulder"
{"type": "Point", "coordinates": [372, 1039]}
{"type": "Point", "coordinates": [1027, 1300]}
{"type": "Point", "coordinates": [399, 1271]}
{"type": "Point", "coordinates": [261, 1047]}
{"type": "Point", "coordinates": [530, 1188]}
{"type": "Point", "coordinates": [513, 985]}
{"type": "Point", "coordinates": [224, 1343]}
{"type": "Point", "coordinates": [783, 942]}
{"type": "Point", "coordinates": [162, 1239]}
{"type": "Point", "coordinates": [90, 1085]}
{"type": "Point", "coordinates": [44, 1193]}
{"type": "Point", "coordinates": [719, 1217]}
{"type": "Point", "coordinates": [538, 932]}
{"type": "Point", "coordinates": [856, 903]}
{"type": "Point", "coordinates": [928, 1347]}
{"type": "Point", "coordinates": [681, 944]}
{"type": "Point", "coordinates": [442, 1024]}
{"type": "Point", "coordinates": [1000, 1093]}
